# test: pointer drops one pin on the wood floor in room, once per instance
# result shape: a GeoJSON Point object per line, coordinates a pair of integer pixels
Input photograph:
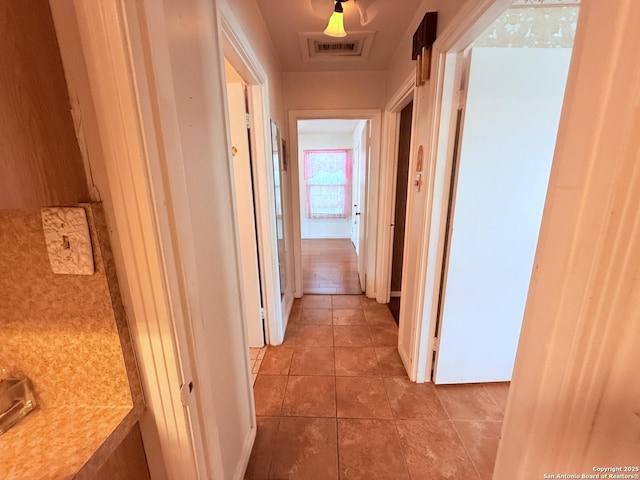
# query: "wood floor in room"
{"type": "Point", "coordinates": [329, 266]}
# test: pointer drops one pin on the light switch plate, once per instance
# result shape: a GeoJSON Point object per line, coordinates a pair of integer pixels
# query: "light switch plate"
{"type": "Point", "coordinates": [66, 233]}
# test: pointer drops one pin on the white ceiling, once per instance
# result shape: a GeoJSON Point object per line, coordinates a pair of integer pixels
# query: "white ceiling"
{"type": "Point", "coordinates": [327, 126]}
{"type": "Point", "coordinates": [285, 19]}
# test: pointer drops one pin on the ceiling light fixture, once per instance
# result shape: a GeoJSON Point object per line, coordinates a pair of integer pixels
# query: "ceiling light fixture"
{"type": "Point", "coordinates": [335, 28]}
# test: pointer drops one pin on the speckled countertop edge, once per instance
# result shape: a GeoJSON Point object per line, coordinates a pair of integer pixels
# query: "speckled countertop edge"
{"type": "Point", "coordinates": [64, 443]}
{"type": "Point", "coordinates": [107, 447]}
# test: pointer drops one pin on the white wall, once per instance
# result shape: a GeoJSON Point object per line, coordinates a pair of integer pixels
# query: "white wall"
{"type": "Point", "coordinates": [322, 227]}
{"type": "Point", "coordinates": [401, 65]}
{"type": "Point", "coordinates": [513, 107]}
{"type": "Point", "coordinates": [334, 90]}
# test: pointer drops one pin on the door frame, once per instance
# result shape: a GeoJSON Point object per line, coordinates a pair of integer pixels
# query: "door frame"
{"type": "Point", "coordinates": [157, 223]}
{"type": "Point", "coordinates": [362, 132]}
{"type": "Point", "coordinates": [118, 171]}
{"type": "Point", "coordinates": [239, 54]}
{"type": "Point", "coordinates": [373, 172]}
{"type": "Point", "coordinates": [441, 101]}
{"type": "Point", "coordinates": [244, 178]}
{"type": "Point", "coordinates": [388, 181]}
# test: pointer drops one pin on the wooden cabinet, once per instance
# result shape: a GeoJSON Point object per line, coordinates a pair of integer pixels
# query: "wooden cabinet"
{"type": "Point", "coordinates": [40, 161]}
{"type": "Point", "coordinates": [128, 461]}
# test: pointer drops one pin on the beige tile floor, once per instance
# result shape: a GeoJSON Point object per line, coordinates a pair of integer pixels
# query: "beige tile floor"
{"type": "Point", "coordinates": [256, 355]}
{"type": "Point", "coordinates": [334, 402]}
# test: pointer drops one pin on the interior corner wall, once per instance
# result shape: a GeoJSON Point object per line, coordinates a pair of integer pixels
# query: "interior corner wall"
{"type": "Point", "coordinates": [401, 65]}
{"type": "Point", "coordinates": [333, 90]}
{"type": "Point", "coordinates": [322, 227]}
{"type": "Point", "coordinates": [249, 20]}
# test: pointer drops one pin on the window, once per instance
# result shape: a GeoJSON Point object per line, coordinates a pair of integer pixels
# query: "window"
{"type": "Point", "coordinates": [327, 177]}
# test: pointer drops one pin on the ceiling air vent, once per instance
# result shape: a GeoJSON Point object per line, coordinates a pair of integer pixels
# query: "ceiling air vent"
{"type": "Point", "coordinates": [335, 48]}
{"type": "Point", "coordinates": [316, 46]}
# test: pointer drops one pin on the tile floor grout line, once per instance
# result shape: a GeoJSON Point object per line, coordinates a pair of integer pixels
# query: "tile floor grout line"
{"type": "Point", "coordinates": [453, 424]}
{"type": "Point", "coordinates": [395, 426]}
{"type": "Point", "coordinates": [335, 397]}
{"type": "Point", "coordinates": [273, 447]}
{"type": "Point", "coordinates": [286, 385]}
{"type": "Point", "coordinates": [404, 457]}
{"type": "Point", "coordinates": [494, 401]}
{"type": "Point", "coordinates": [475, 467]}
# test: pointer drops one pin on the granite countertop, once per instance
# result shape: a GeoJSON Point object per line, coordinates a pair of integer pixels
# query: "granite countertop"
{"type": "Point", "coordinates": [69, 335]}
{"type": "Point", "coordinates": [63, 443]}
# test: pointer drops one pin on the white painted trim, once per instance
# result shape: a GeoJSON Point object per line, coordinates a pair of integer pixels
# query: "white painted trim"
{"type": "Point", "coordinates": [388, 180]}
{"type": "Point", "coordinates": [409, 318]}
{"type": "Point", "coordinates": [295, 205]}
{"type": "Point", "coordinates": [362, 129]}
{"type": "Point", "coordinates": [130, 201]}
{"type": "Point", "coordinates": [212, 325]}
{"type": "Point", "coordinates": [237, 48]}
{"type": "Point", "coordinates": [402, 96]}
{"type": "Point", "coordinates": [372, 211]}
{"type": "Point", "coordinates": [239, 474]}
{"type": "Point", "coordinates": [287, 181]}
{"type": "Point", "coordinates": [244, 198]}
{"type": "Point", "coordinates": [240, 55]}
{"type": "Point", "coordinates": [450, 95]}
{"type": "Point", "coordinates": [573, 401]}
{"type": "Point", "coordinates": [163, 231]}
{"type": "Point", "coordinates": [470, 21]}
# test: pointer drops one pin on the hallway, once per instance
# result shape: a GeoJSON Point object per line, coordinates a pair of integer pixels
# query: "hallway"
{"type": "Point", "coordinates": [334, 402]}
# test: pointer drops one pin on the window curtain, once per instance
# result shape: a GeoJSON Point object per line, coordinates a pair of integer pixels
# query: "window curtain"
{"type": "Point", "coordinates": [327, 177]}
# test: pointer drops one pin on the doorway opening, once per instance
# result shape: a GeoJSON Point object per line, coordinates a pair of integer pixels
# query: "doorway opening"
{"type": "Point", "coordinates": [400, 207]}
{"type": "Point", "coordinates": [244, 180]}
{"type": "Point", "coordinates": [368, 177]}
{"type": "Point", "coordinates": [260, 194]}
{"type": "Point", "coordinates": [333, 155]}
{"type": "Point", "coordinates": [512, 80]}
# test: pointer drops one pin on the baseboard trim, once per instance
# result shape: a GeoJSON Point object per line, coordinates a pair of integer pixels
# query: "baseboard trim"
{"type": "Point", "coordinates": [243, 463]}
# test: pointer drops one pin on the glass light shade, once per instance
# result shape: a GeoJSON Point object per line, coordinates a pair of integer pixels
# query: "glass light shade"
{"type": "Point", "coordinates": [335, 28]}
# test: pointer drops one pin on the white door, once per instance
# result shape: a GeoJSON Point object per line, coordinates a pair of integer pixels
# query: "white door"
{"type": "Point", "coordinates": [246, 213]}
{"type": "Point", "coordinates": [355, 194]}
{"type": "Point", "coordinates": [362, 153]}
{"type": "Point", "coordinates": [514, 98]}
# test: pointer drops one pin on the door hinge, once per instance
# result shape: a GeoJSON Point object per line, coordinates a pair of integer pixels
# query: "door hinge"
{"type": "Point", "coordinates": [247, 119]}
{"type": "Point", "coordinates": [262, 315]}
{"type": "Point", "coordinates": [436, 344]}
{"type": "Point", "coordinates": [186, 389]}
{"type": "Point", "coordinates": [462, 99]}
